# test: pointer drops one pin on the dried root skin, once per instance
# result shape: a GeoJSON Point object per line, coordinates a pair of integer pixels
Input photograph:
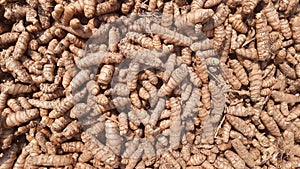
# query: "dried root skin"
{"type": "Point", "coordinates": [295, 27]}
{"type": "Point", "coordinates": [107, 7]}
{"type": "Point", "coordinates": [70, 147]}
{"type": "Point", "coordinates": [240, 125]}
{"type": "Point", "coordinates": [262, 37]}
{"type": "Point", "coordinates": [272, 16]}
{"type": "Point", "coordinates": [167, 16]}
{"type": "Point", "coordinates": [280, 96]}
{"type": "Point", "coordinates": [17, 88]}
{"type": "Point", "coordinates": [234, 159]}
{"type": "Point", "coordinates": [232, 79]}
{"type": "Point", "coordinates": [22, 43]}
{"type": "Point", "coordinates": [270, 124]}
{"type": "Point", "coordinates": [196, 159]}
{"type": "Point", "coordinates": [21, 117]}
{"type": "Point", "coordinates": [211, 3]}
{"type": "Point", "coordinates": [51, 160]}
{"type": "Point", "coordinates": [255, 78]}
{"type": "Point", "coordinates": [197, 16]}
{"type": "Point", "coordinates": [176, 77]}
{"type": "Point", "coordinates": [249, 5]}
{"type": "Point", "coordinates": [53, 83]}
{"type": "Point", "coordinates": [239, 71]}
{"type": "Point", "coordinates": [240, 111]}
{"type": "Point", "coordinates": [222, 162]}
{"type": "Point", "coordinates": [169, 36]}
{"type": "Point", "coordinates": [197, 4]}
{"type": "Point", "coordinates": [113, 137]}
{"type": "Point", "coordinates": [237, 23]}
{"type": "Point", "coordinates": [243, 152]}
{"type": "Point", "coordinates": [18, 69]}
{"type": "Point", "coordinates": [9, 37]}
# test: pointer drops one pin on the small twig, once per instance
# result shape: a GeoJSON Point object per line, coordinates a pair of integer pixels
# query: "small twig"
{"type": "Point", "coordinates": [219, 126]}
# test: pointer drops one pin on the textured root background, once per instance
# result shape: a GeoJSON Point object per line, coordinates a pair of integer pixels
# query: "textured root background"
{"type": "Point", "coordinates": [149, 84]}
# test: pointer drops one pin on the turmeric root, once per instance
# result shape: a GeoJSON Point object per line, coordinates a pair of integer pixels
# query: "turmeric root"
{"type": "Point", "coordinates": [176, 77]}
{"type": "Point", "coordinates": [280, 96]}
{"type": "Point", "coordinates": [8, 38]}
{"type": "Point", "coordinates": [21, 117]}
{"type": "Point", "coordinates": [51, 160]}
{"type": "Point", "coordinates": [17, 88]}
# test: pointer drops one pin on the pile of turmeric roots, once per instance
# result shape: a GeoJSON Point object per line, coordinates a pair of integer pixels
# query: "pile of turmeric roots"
{"type": "Point", "coordinates": [192, 84]}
